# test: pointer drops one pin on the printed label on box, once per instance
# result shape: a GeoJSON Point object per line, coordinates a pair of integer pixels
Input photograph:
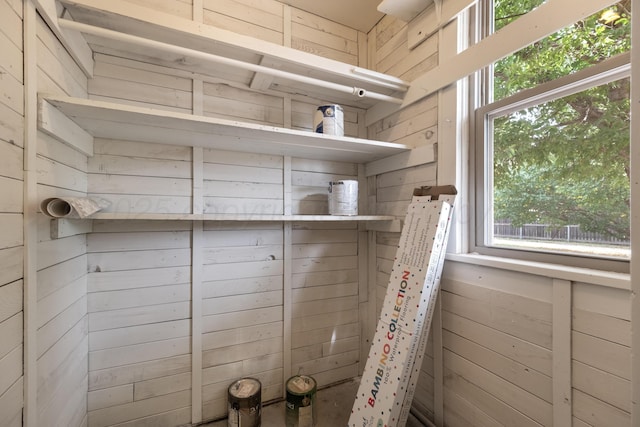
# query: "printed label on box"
{"type": "Point", "coordinates": [406, 313]}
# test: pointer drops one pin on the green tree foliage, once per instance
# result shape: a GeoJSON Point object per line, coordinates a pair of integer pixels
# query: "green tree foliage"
{"type": "Point", "coordinates": [565, 161]}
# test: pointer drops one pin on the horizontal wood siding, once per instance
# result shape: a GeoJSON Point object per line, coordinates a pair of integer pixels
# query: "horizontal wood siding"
{"type": "Point", "coordinates": [319, 36]}
{"type": "Point", "coordinates": [11, 219]}
{"type": "Point", "coordinates": [325, 324]}
{"type": "Point", "coordinates": [601, 357]}
{"type": "Point", "coordinates": [236, 183]}
{"type": "Point", "coordinates": [62, 322]}
{"type": "Point", "coordinates": [139, 331]}
{"type": "Point", "coordinates": [497, 347]}
{"type": "Point", "coordinates": [141, 178]}
{"type": "Point", "coordinates": [242, 311]}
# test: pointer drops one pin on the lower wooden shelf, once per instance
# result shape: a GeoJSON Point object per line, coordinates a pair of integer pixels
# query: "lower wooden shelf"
{"type": "Point", "coordinates": [385, 223]}
{"type": "Point", "coordinates": [236, 217]}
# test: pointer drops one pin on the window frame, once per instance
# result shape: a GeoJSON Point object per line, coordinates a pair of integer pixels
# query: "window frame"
{"type": "Point", "coordinates": [612, 69]}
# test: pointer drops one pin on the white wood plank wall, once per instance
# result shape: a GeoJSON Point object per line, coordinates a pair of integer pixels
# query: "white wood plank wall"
{"type": "Point", "coordinates": [140, 272]}
{"type": "Point", "coordinates": [325, 324]}
{"type": "Point", "coordinates": [139, 323]}
{"type": "Point", "coordinates": [62, 323]}
{"type": "Point", "coordinates": [11, 222]}
{"type": "Point", "coordinates": [242, 310]}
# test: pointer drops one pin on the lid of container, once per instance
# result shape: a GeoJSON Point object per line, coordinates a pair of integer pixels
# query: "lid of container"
{"type": "Point", "coordinates": [301, 384]}
{"type": "Point", "coordinates": [245, 387]}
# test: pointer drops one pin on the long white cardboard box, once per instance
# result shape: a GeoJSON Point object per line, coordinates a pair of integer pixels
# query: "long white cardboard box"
{"type": "Point", "coordinates": [390, 375]}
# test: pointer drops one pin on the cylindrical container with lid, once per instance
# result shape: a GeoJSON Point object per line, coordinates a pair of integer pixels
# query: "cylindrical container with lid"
{"type": "Point", "coordinates": [244, 403]}
{"type": "Point", "coordinates": [329, 119]}
{"type": "Point", "coordinates": [343, 197]}
{"type": "Point", "coordinates": [301, 401]}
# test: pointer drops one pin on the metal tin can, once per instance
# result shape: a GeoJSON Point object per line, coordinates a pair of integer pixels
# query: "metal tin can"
{"type": "Point", "coordinates": [301, 401]}
{"type": "Point", "coordinates": [343, 197]}
{"type": "Point", "coordinates": [244, 403]}
{"type": "Point", "coordinates": [329, 119]}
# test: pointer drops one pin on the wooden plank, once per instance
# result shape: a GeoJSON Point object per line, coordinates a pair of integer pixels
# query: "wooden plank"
{"type": "Point", "coordinates": [109, 358]}
{"type": "Point", "coordinates": [56, 251]}
{"type": "Point", "coordinates": [510, 370]}
{"type": "Point", "coordinates": [73, 42]}
{"type": "Point", "coordinates": [197, 238]}
{"type": "Point", "coordinates": [119, 121]}
{"type": "Point", "coordinates": [250, 269]}
{"type": "Point", "coordinates": [434, 18]}
{"type": "Point", "coordinates": [128, 374]}
{"type": "Point", "coordinates": [111, 261]}
{"type": "Point", "coordinates": [29, 387]}
{"type": "Point", "coordinates": [130, 411]}
{"type": "Point", "coordinates": [10, 334]}
{"type": "Point", "coordinates": [602, 326]}
{"type": "Point", "coordinates": [11, 161]}
{"type": "Point", "coordinates": [519, 325]}
{"type": "Point", "coordinates": [140, 278]}
{"type": "Point", "coordinates": [59, 126]}
{"type": "Point", "coordinates": [506, 403]}
{"type": "Point", "coordinates": [605, 355]}
{"type": "Point", "coordinates": [68, 399]}
{"type": "Point", "coordinates": [52, 331]}
{"type": "Point", "coordinates": [141, 150]}
{"type": "Point", "coordinates": [11, 264]}
{"type": "Point", "coordinates": [131, 206]}
{"type": "Point", "coordinates": [69, 227]}
{"type": "Point", "coordinates": [12, 129]}
{"type": "Point", "coordinates": [595, 412]}
{"type": "Point", "coordinates": [112, 396]}
{"type": "Point", "coordinates": [60, 176]}
{"type": "Point", "coordinates": [130, 298]}
{"type": "Point", "coordinates": [215, 340]}
{"type": "Point", "coordinates": [120, 337]}
{"type": "Point", "coordinates": [11, 230]}
{"type": "Point", "coordinates": [231, 320]}
{"type": "Point", "coordinates": [121, 242]}
{"type": "Point", "coordinates": [141, 185]}
{"type": "Point", "coordinates": [233, 353]}
{"type": "Point", "coordinates": [600, 385]}
{"type": "Point", "coordinates": [59, 275]}
{"type": "Point", "coordinates": [241, 302]}
{"type": "Point", "coordinates": [131, 165]}
{"type": "Point", "coordinates": [10, 300]}
{"type": "Point", "coordinates": [514, 348]}
{"type": "Point", "coordinates": [416, 157]}
{"type": "Point", "coordinates": [11, 402]}
{"type": "Point", "coordinates": [138, 316]}
{"type": "Point", "coordinates": [11, 368]}
{"type": "Point", "coordinates": [161, 386]}
{"type": "Point", "coordinates": [562, 382]}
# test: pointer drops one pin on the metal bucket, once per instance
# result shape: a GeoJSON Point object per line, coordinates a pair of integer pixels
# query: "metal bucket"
{"type": "Point", "coordinates": [343, 197]}
{"type": "Point", "coordinates": [301, 402]}
{"type": "Point", "coordinates": [329, 119]}
{"type": "Point", "coordinates": [244, 403]}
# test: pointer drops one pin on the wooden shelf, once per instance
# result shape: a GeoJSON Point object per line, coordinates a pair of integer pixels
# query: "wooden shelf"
{"type": "Point", "coordinates": [129, 19]}
{"type": "Point", "coordinates": [233, 217]}
{"type": "Point", "coordinates": [132, 123]}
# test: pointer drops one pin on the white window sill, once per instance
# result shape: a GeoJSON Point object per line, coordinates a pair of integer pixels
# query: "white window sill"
{"type": "Point", "coordinates": [574, 274]}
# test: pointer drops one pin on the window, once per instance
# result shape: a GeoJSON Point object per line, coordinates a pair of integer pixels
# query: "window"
{"type": "Point", "coordinates": [552, 144]}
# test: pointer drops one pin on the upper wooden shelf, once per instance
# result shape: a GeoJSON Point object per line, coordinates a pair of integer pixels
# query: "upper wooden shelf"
{"type": "Point", "coordinates": [119, 121]}
{"type": "Point", "coordinates": [128, 29]}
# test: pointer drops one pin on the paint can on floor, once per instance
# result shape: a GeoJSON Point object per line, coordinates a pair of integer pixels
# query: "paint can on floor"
{"type": "Point", "coordinates": [301, 401]}
{"type": "Point", "coordinates": [244, 403]}
{"type": "Point", "coordinates": [343, 197]}
{"type": "Point", "coordinates": [329, 119]}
